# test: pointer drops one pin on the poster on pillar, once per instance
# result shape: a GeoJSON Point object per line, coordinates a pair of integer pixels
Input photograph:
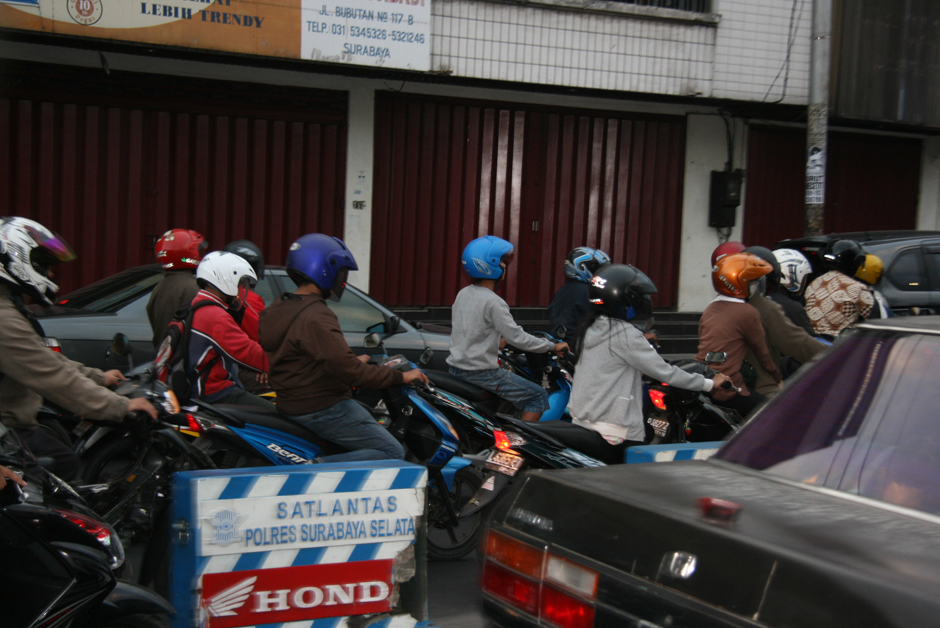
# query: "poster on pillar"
{"type": "Point", "coordinates": [384, 33]}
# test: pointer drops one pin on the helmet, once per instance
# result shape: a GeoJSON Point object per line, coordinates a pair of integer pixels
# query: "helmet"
{"type": "Point", "coordinates": [583, 262]}
{"type": "Point", "coordinates": [843, 255]}
{"type": "Point", "coordinates": [621, 291]}
{"type": "Point", "coordinates": [768, 256]}
{"type": "Point", "coordinates": [795, 269]}
{"type": "Point", "coordinates": [321, 260]}
{"type": "Point", "coordinates": [27, 249]}
{"type": "Point", "coordinates": [871, 269]}
{"type": "Point", "coordinates": [250, 252]}
{"type": "Point", "coordinates": [482, 258]}
{"type": "Point", "coordinates": [178, 249]}
{"type": "Point", "coordinates": [734, 273]}
{"type": "Point", "coordinates": [227, 272]}
{"type": "Point", "coordinates": [726, 248]}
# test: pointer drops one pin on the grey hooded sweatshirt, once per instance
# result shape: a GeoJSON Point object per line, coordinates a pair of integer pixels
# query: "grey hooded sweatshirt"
{"type": "Point", "coordinates": [607, 395]}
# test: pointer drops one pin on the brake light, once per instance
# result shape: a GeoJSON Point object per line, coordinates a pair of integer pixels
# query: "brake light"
{"type": "Point", "coordinates": [53, 344]}
{"type": "Point", "coordinates": [194, 425]}
{"type": "Point", "coordinates": [502, 441]}
{"type": "Point", "coordinates": [544, 585]}
{"type": "Point", "coordinates": [718, 510]}
{"type": "Point", "coordinates": [658, 399]}
{"type": "Point", "coordinates": [95, 528]}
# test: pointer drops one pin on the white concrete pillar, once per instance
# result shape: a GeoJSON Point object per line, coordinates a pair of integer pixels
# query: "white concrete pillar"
{"type": "Point", "coordinates": [928, 206]}
{"type": "Point", "coordinates": [359, 161]}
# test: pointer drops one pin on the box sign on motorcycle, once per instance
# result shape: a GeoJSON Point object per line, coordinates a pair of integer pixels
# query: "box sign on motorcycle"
{"type": "Point", "coordinates": [313, 544]}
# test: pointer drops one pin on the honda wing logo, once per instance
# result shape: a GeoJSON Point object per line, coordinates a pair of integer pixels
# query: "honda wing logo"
{"type": "Point", "coordinates": [226, 602]}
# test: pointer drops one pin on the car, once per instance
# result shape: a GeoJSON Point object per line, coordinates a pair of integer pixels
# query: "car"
{"type": "Point", "coordinates": [824, 510]}
{"type": "Point", "coordinates": [911, 261]}
{"type": "Point", "coordinates": [83, 322]}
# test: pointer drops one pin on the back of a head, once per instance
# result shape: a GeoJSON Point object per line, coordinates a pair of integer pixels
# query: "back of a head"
{"type": "Point", "coordinates": [226, 272]}
{"type": "Point", "coordinates": [583, 262]}
{"type": "Point", "coordinates": [483, 257]}
{"type": "Point", "coordinates": [845, 256]}
{"type": "Point", "coordinates": [250, 252]}
{"type": "Point", "coordinates": [734, 275]}
{"type": "Point", "coordinates": [622, 291]}
{"type": "Point", "coordinates": [871, 269]}
{"type": "Point", "coordinates": [322, 260]}
{"type": "Point", "coordinates": [795, 270]}
{"type": "Point", "coordinates": [725, 248]}
{"type": "Point", "coordinates": [180, 249]}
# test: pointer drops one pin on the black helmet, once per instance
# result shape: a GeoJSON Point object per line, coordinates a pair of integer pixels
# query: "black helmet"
{"type": "Point", "coordinates": [583, 261]}
{"type": "Point", "coordinates": [250, 252]}
{"type": "Point", "coordinates": [621, 291]}
{"type": "Point", "coordinates": [773, 279]}
{"type": "Point", "coordinates": [846, 256]}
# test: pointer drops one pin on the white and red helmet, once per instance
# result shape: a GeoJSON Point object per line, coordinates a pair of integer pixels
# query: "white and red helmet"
{"type": "Point", "coordinates": [27, 250]}
{"type": "Point", "coordinates": [180, 249]}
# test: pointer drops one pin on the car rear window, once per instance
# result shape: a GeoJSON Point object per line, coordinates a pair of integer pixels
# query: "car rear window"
{"type": "Point", "coordinates": [863, 420]}
{"type": "Point", "coordinates": [111, 294]}
{"type": "Point", "coordinates": [355, 314]}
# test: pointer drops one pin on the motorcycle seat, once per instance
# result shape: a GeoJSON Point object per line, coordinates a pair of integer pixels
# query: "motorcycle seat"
{"type": "Point", "coordinates": [470, 392]}
{"type": "Point", "coordinates": [576, 437]}
{"type": "Point", "coordinates": [268, 419]}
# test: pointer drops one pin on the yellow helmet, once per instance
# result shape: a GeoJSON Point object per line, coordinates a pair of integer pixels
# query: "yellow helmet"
{"type": "Point", "coordinates": [871, 269]}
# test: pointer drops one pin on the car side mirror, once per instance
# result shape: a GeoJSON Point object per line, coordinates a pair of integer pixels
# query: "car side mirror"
{"type": "Point", "coordinates": [372, 341]}
{"type": "Point", "coordinates": [715, 357]}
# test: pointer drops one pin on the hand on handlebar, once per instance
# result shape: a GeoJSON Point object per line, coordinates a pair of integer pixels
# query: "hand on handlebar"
{"type": "Point", "coordinates": [416, 375]}
{"type": "Point", "coordinates": [6, 474]}
{"type": "Point", "coordinates": [112, 377]}
{"type": "Point", "coordinates": [561, 348]}
{"type": "Point", "coordinates": [723, 381]}
{"type": "Point", "coordinates": [139, 404]}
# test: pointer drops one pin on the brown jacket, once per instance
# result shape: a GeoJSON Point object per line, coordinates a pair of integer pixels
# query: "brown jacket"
{"type": "Point", "coordinates": [783, 338]}
{"type": "Point", "coordinates": [312, 366]}
{"type": "Point", "coordinates": [176, 289]}
{"type": "Point", "coordinates": [733, 327]}
{"type": "Point", "coordinates": [32, 371]}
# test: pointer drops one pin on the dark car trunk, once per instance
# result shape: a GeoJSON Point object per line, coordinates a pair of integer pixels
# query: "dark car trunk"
{"type": "Point", "coordinates": [795, 556]}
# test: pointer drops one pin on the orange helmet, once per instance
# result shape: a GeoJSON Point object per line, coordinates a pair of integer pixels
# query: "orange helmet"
{"type": "Point", "coordinates": [733, 273]}
{"type": "Point", "coordinates": [180, 249]}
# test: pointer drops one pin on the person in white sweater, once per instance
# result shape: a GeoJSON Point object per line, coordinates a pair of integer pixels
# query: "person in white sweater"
{"type": "Point", "coordinates": [612, 357]}
{"type": "Point", "coordinates": [480, 319]}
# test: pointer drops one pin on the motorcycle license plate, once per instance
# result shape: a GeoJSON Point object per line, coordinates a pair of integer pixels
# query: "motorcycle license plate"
{"type": "Point", "coordinates": [507, 464]}
{"type": "Point", "coordinates": [659, 425]}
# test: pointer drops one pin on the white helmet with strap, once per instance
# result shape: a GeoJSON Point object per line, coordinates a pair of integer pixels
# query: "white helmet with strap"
{"type": "Point", "coordinates": [226, 271]}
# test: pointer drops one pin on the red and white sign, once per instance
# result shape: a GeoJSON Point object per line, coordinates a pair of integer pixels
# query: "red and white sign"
{"type": "Point", "coordinates": [267, 596]}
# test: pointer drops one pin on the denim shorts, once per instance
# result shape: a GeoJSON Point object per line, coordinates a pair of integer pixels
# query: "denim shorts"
{"type": "Point", "coordinates": [520, 392]}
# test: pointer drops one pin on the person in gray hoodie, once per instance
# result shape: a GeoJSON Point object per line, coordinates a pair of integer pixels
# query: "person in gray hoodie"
{"type": "Point", "coordinates": [613, 356]}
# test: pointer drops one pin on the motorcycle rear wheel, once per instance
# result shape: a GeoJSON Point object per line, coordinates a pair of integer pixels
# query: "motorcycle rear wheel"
{"type": "Point", "coordinates": [440, 546]}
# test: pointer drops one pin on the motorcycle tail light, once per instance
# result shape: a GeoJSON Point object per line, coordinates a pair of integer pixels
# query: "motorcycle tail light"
{"type": "Point", "coordinates": [658, 398]}
{"type": "Point", "coordinates": [194, 425]}
{"type": "Point", "coordinates": [53, 344]}
{"type": "Point", "coordinates": [502, 441]}
{"type": "Point", "coordinates": [95, 528]}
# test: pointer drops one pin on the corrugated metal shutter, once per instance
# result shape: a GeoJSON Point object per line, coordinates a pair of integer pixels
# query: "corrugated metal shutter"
{"type": "Point", "coordinates": [872, 183]}
{"type": "Point", "coordinates": [111, 179]}
{"type": "Point", "coordinates": [547, 179]}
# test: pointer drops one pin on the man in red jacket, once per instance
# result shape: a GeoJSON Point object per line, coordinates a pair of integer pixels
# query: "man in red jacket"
{"type": "Point", "coordinates": [218, 346]}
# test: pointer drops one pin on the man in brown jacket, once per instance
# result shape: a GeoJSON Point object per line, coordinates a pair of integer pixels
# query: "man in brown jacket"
{"type": "Point", "coordinates": [179, 252]}
{"type": "Point", "coordinates": [29, 370]}
{"type": "Point", "coordinates": [312, 368]}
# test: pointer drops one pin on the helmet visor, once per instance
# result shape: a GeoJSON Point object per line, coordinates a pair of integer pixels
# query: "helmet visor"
{"type": "Point", "coordinates": [244, 285]}
{"type": "Point", "coordinates": [50, 250]}
{"type": "Point", "coordinates": [339, 284]}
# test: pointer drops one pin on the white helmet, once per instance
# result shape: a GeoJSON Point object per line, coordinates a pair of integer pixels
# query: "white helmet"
{"type": "Point", "coordinates": [27, 250]}
{"type": "Point", "coordinates": [228, 272]}
{"type": "Point", "coordinates": [794, 269]}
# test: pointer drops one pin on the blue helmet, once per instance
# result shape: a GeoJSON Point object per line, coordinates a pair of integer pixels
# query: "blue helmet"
{"type": "Point", "coordinates": [583, 263]}
{"type": "Point", "coordinates": [322, 260]}
{"type": "Point", "coordinates": [482, 257]}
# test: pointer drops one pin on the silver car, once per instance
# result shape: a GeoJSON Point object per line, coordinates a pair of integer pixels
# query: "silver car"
{"type": "Point", "coordinates": [84, 322]}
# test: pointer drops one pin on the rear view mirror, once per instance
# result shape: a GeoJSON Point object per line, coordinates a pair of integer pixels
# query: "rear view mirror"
{"type": "Point", "coordinates": [120, 345]}
{"type": "Point", "coordinates": [426, 356]}
{"type": "Point", "coordinates": [715, 357]}
{"type": "Point", "coordinates": [372, 341]}
{"type": "Point", "coordinates": [560, 332]}
{"type": "Point", "coordinates": [393, 325]}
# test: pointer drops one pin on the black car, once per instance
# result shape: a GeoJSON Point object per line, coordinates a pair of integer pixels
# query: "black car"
{"type": "Point", "coordinates": [83, 322]}
{"type": "Point", "coordinates": [824, 510]}
{"type": "Point", "coordinates": [911, 264]}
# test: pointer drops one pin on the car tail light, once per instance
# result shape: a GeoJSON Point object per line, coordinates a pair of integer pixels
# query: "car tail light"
{"type": "Point", "coordinates": [658, 399]}
{"type": "Point", "coordinates": [95, 528]}
{"type": "Point", "coordinates": [53, 344]}
{"type": "Point", "coordinates": [548, 587]}
{"type": "Point", "coordinates": [502, 441]}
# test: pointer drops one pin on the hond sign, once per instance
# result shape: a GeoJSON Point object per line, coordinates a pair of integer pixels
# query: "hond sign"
{"type": "Point", "coordinates": [254, 547]}
{"type": "Point", "coordinates": [386, 33]}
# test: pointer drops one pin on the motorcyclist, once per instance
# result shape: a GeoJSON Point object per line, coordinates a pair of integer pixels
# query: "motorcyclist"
{"type": "Point", "coordinates": [571, 303]}
{"type": "Point", "coordinates": [481, 319]}
{"type": "Point", "coordinates": [794, 274]}
{"type": "Point", "coordinates": [29, 371]}
{"type": "Point", "coordinates": [607, 395]}
{"type": "Point", "coordinates": [870, 272]}
{"type": "Point", "coordinates": [789, 344]}
{"type": "Point", "coordinates": [313, 370]}
{"type": "Point", "coordinates": [836, 300]}
{"type": "Point", "coordinates": [178, 251]}
{"type": "Point", "coordinates": [218, 347]}
{"type": "Point", "coordinates": [254, 304]}
{"type": "Point", "coordinates": [729, 325]}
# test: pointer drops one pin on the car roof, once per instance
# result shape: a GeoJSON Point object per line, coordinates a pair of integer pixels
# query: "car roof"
{"type": "Point", "coordinates": [917, 324]}
{"type": "Point", "coordinates": [858, 236]}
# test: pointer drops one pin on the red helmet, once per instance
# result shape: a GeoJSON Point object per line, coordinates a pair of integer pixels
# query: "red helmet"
{"type": "Point", "coordinates": [178, 249]}
{"type": "Point", "coordinates": [727, 248]}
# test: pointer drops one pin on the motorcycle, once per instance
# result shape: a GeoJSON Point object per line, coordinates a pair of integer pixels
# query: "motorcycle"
{"type": "Point", "coordinates": [60, 562]}
{"type": "Point", "coordinates": [675, 415]}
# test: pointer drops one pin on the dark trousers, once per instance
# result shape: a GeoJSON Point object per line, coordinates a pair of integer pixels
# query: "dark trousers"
{"type": "Point", "coordinates": [64, 462]}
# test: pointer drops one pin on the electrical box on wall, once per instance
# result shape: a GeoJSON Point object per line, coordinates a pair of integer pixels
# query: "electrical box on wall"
{"type": "Point", "coordinates": [724, 198]}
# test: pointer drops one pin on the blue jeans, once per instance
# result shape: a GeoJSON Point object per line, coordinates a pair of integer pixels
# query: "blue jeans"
{"type": "Point", "coordinates": [350, 425]}
{"type": "Point", "coordinates": [520, 392]}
